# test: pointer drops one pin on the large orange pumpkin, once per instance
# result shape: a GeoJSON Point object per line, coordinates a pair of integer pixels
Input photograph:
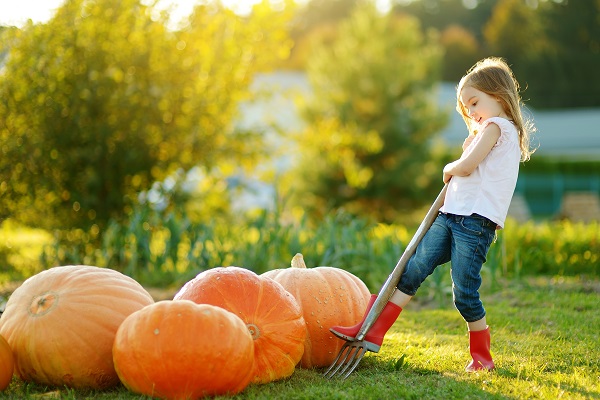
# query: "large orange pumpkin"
{"type": "Point", "coordinates": [61, 324]}
{"type": "Point", "coordinates": [271, 314]}
{"type": "Point", "coordinates": [7, 364]}
{"type": "Point", "coordinates": [328, 296]}
{"type": "Point", "coordinates": [183, 350]}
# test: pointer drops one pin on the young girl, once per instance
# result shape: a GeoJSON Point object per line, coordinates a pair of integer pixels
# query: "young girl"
{"type": "Point", "coordinates": [480, 187]}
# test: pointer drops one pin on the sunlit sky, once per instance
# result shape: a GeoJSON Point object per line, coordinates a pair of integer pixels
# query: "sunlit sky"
{"type": "Point", "coordinates": [17, 12]}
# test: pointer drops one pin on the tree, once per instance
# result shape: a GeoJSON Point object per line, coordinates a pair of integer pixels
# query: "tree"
{"type": "Point", "coordinates": [440, 14]}
{"type": "Point", "coordinates": [371, 118]}
{"type": "Point", "coordinates": [103, 100]}
{"type": "Point", "coordinates": [515, 31]}
{"type": "Point", "coordinates": [460, 23]}
{"type": "Point", "coordinates": [461, 50]}
{"type": "Point", "coordinates": [571, 64]}
{"type": "Point", "coordinates": [314, 21]}
{"type": "Point", "coordinates": [554, 47]}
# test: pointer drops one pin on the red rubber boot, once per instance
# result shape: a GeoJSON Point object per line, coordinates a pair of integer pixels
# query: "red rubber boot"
{"type": "Point", "coordinates": [479, 346]}
{"type": "Point", "coordinates": [374, 337]}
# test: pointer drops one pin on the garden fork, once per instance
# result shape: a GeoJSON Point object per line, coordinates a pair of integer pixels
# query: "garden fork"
{"type": "Point", "coordinates": [353, 351]}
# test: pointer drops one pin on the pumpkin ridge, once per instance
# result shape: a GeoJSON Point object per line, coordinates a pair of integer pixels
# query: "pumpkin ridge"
{"type": "Point", "coordinates": [161, 326]}
{"type": "Point", "coordinates": [7, 364]}
{"type": "Point", "coordinates": [103, 366]}
{"type": "Point", "coordinates": [254, 314]}
{"type": "Point", "coordinates": [241, 278]}
{"type": "Point", "coordinates": [230, 303]}
{"type": "Point", "coordinates": [137, 357]}
{"type": "Point", "coordinates": [54, 338]}
{"type": "Point", "coordinates": [194, 370]}
{"type": "Point", "coordinates": [130, 293]}
{"type": "Point", "coordinates": [292, 310]}
{"type": "Point", "coordinates": [279, 359]}
{"type": "Point", "coordinates": [327, 296]}
{"type": "Point", "coordinates": [309, 336]}
{"type": "Point", "coordinates": [257, 301]}
{"type": "Point", "coordinates": [101, 304]}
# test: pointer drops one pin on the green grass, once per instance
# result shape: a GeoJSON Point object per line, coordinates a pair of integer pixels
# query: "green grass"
{"type": "Point", "coordinates": [545, 336]}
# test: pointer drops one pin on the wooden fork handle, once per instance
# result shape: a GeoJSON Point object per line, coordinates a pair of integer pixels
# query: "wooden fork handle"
{"type": "Point", "coordinates": [390, 284]}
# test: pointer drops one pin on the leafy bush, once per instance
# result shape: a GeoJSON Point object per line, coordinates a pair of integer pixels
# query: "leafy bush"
{"type": "Point", "coordinates": [20, 248]}
{"type": "Point", "coordinates": [550, 248]}
{"type": "Point", "coordinates": [168, 249]}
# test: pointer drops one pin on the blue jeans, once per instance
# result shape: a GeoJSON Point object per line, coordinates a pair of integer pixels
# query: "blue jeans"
{"type": "Point", "coordinates": [464, 241]}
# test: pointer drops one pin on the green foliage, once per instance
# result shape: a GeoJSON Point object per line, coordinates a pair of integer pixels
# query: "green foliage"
{"type": "Point", "coordinates": [318, 12]}
{"type": "Point", "coordinates": [515, 44]}
{"type": "Point", "coordinates": [555, 49]}
{"type": "Point", "coordinates": [370, 119]}
{"type": "Point", "coordinates": [166, 249]}
{"type": "Point", "coordinates": [440, 14]}
{"type": "Point", "coordinates": [557, 248]}
{"type": "Point", "coordinates": [104, 100]}
{"type": "Point", "coordinates": [573, 28]}
{"type": "Point", "coordinates": [540, 164]}
{"type": "Point", "coordinates": [20, 249]}
{"type": "Point", "coordinates": [461, 50]}
{"type": "Point", "coordinates": [460, 23]}
{"type": "Point", "coordinates": [553, 46]}
{"type": "Point", "coordinates": [315, 21]}
{"type": "Point", "coordinates": [561, 248]}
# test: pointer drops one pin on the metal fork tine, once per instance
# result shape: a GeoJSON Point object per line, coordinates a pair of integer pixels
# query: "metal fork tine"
{"type": "Point", "coordinates": [339, 361]}
{"type": "Point", "coordinates": [351, 354]}
{"type": "Point", "coordinates": [352, 363]}
{"type": "Point", "coordinates": [347, 360]}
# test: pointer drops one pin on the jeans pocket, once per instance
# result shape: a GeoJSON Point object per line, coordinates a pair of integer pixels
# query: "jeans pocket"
{"type": "Point", "coordinates": [473, 226]}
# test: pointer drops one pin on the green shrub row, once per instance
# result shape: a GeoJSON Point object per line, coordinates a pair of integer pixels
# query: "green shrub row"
{"type": "Point", "coordinates": [547, 165]}
{"type": "Point", "coordinates": [548, 248]}
{"type": "Point", "coordinates": [167, 249]}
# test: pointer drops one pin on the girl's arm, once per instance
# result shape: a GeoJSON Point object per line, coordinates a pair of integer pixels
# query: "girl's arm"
{"type": "Point", "coordinates": [468, 141]}
{"type": "Point", "coordinates": [465, 166]}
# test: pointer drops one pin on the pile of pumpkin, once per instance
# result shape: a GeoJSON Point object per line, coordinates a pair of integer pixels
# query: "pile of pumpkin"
{"type": "Point", "coordinates": [90, 327]}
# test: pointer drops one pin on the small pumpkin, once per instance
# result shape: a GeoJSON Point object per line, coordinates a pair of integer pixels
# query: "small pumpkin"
{"type": "Point", "coordinates": [328, 296]}
{"type": "Point", "coordinates": [61, 324]}
{"type": "Point", "coordinates": [271, 314]}
{"type": "Point", "coordinates": [183, 350]}
{"type": "Point", "coordinates": [7, 364]}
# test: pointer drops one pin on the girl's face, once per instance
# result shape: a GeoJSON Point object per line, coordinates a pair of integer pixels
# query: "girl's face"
{"type": "Point", "coordinates": [479, 105]}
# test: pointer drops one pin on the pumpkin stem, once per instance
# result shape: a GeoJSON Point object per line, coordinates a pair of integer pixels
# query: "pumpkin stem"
{"type": "Point", "coordinates": [43, 303]}
{"type": "Point", "coordinates": [254, 331]}
{"type": "Point", "coordinates": [298, 261]}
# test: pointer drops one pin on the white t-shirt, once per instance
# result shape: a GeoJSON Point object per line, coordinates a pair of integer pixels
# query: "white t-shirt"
{"type": "Point", "coordinates": [489, 189]}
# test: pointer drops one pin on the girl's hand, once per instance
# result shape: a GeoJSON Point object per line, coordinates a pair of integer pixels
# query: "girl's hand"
{"type": "Point", "coordinates": [467, 141]}
{"type": "Point", "coordinates": [464, 166]}
{"type": "Point", "coordinates": [446, 174]}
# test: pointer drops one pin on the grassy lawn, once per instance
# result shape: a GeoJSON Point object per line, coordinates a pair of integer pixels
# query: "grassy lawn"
{"type": "Point", "coordinates": [545, 342]}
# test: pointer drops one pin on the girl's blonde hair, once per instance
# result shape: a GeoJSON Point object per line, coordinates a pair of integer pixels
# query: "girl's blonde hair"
{"type": "Point", "coordinates": [494, 77]}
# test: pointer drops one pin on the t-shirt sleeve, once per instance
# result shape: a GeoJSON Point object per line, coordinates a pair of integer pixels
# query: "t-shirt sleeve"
{"type": "Point", "coordinates": [504, 126]}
